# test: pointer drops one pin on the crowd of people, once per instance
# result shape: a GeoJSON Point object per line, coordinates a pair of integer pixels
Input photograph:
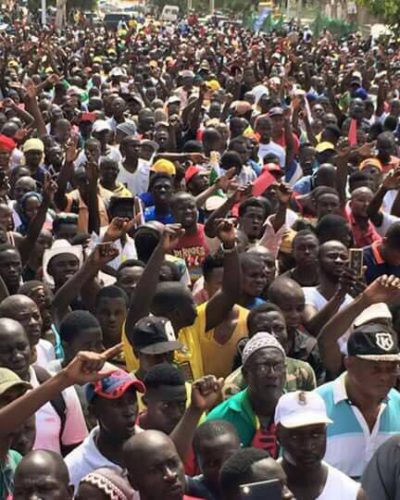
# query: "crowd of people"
{"type": "Point", "coordinates": [199, 263]}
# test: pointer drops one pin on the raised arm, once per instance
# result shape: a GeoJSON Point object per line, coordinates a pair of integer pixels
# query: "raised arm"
{"type": "Point", "coordinates": [32, 105]}
{"type": "Point", "coordinates": [315, 320]}
{"type": "Point", "coordinates": [36, 224]}
{"type": "Point", "coordinates": [391, 181]}
{"type": "Point", "coordinates": [71, 289]}
{"type": "Point", "coordinates": [219, 306]}
{"type": "Point", "coordinates": [206, 393]}
{"type": "Point", "coordinates": [384, 289]}
{"type": "Point", "coordinates": [92, 172]}
{"type": "Point", "coordinates": [65, 174]}
{"type": "Point", "coordinates": [144, 293]}
{"type": "Point", "coordinates": [84, 368]}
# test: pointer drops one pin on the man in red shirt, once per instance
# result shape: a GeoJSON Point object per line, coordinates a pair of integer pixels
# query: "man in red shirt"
{"type": "Point", "coordinates": [364, 232]}
{"type": "Point", "coordinates": [193, 246]}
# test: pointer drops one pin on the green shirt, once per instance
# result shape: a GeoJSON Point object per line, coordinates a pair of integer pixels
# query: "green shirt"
{"type": "Point", "coordinates": [238, 411]}
{"type": "Point", "coordinates": [299, 377]}
{"type": "Point", "coordinates": [7, 471]}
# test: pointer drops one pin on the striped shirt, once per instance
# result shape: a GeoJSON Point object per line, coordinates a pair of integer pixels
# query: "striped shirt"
{"type": "Point", "coordinates": [350, 443]}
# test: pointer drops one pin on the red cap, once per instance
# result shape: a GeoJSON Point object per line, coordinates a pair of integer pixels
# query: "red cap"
{"type": "Point", "coordinates": [273, 167]}
{"type": "Point", "coordinates": [6, 143]}
{"type": "Point", "coordinates": [191, 172]}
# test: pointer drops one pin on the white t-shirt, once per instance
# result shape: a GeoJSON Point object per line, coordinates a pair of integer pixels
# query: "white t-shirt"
{"type": "Point", "coordinates": [339, 486]}
{"type": "Point", "coordinates": [113, 154]}
{"type": "Point", "coordinates": [387, 221]}
{"type": "Point", "coordinates": [272, 148]}
{"type": "Point", "coordinates": [48, 423]}
{"type": "Point", "coordinates": [388, 200]}
{"type": "Point", "coordinates": [86, 458]}
{"type": "Point", "coordinates": [315, 299]}
{"type": "Point", "coordinates": [44, 353]}
{"type": "Point", "coordinates": [137, 182]}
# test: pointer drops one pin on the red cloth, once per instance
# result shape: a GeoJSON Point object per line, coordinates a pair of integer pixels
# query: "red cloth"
{"type": "Point", "coordinates": [353, 132]}
{"type": "Point", "coordinates": [362, 238]}
{"type": "Point", "coordinates": [265, 439]}
{"type": "Point", "coordinates": [6, 143]}
{"type": "Point", "coordinates": [282, 142]}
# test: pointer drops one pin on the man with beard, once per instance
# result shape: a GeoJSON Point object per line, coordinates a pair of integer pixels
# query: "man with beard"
{"type": "Point", "coordinates": [302, 421]}
{"type": "Point", "coordinates": [251, 410]}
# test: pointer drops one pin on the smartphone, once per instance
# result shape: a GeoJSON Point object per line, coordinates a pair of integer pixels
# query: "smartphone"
{"type": "Point", "coordinates": [105, 249]}
{"type": "Point", "coordinates": [271, 490]}
{"type": "Point", "coordinates": [356, 261]}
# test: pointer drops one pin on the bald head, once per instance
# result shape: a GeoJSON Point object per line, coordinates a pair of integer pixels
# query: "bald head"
{"type": "Point", "coordinates": [42, 474]}
{"type": "Point", "coordinates": [283, 286]}
{"type": "Point", "coordinates": [9, 326]}
{"type": "Point", "coordinates": [9, 307]}
{"type": "Point", "coordinates": [155, 469]}
{"type": "Point", "coordinates": [363, 190]}
{"type": "Point", "coordinates": [24, 310]}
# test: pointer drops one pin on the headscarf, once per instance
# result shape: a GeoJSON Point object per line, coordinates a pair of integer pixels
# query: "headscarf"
{"type": "Point", "coordinates": [21, 209]}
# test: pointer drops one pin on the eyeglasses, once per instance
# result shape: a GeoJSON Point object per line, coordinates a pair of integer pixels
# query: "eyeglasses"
{"type": "Point", "coordinates": [262, 368]}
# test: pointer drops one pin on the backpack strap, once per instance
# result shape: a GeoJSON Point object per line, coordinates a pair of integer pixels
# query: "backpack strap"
{"type": "Point", "coordinates": [58, 403]}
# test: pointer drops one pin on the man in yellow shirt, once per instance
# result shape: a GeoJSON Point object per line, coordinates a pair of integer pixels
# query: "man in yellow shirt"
{"type": "Point", "coordinates": [175, 302]}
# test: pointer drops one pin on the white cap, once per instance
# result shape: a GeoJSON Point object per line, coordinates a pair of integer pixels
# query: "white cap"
{"type": "Point", "coordinates": [373, 313]}
{"type": "Point", "coordinates": [59, 247]}
{"type": "Point", "coordinates": [100, 126]}
{"type": "Point", "coordinates": [300, 408]}
{"type": "Point", "coordinates": [261, 340]}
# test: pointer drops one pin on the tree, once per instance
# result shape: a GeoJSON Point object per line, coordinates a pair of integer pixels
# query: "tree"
{"type": "Point", "coordinates": [387, 10]}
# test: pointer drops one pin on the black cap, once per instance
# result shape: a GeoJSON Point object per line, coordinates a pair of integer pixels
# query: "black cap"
{"type": "Point", "coordinates": [374, 342]}
{"type": "Point", "coordinates": [154, 335]}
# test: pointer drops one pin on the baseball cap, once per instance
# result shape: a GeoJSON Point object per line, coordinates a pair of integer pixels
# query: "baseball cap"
{"type": "Point", "coordinates": [154, 335]}
{"type": "Point", "coordinates": [9, 379]}
{"type": "Point", "coordinates": [173, 99]}
{"type": "Point", "coordinates": [276, 111]}
{"type": "Point", "coordinates": [100, 126]}
{"type": "Point", "coordinates": [33, 145]}
{"type": "Point", "coordinates": [373, 313]}
{"type": "Point", "coordinates": [260, 340]}
{"type": "Point", "coordinates": [192, 171]}
{"type": "Point", "coordinates": [273, 167]}
{"type": "Point", "coordinates": [374, 342]}
{"type": "Point", "coordinates": [300, 408]}
{"type": "Point", "coordinates": [324, 146]}
{"type": "Point", "coordinates": [114, 386]}
{"type": "Point", "coordinates": [165, 166]}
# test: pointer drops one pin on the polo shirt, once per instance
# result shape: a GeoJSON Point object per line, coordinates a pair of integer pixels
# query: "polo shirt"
{"type": "Point", "coordinates": [350, 444]}
{"type": "Point", "coordinates": [238, 411]}
{"type": "Point", "coordinates": [376, 266]}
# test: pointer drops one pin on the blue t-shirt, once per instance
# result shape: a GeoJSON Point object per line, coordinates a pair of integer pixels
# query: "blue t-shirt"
{"type": "Point", "coordinates": [151, 214]}
{"type": "Point", "coordinates": [376, 266]}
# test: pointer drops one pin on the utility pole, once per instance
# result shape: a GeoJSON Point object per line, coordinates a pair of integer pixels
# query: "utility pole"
{"type": "Point", "coordinates": [43, 12]}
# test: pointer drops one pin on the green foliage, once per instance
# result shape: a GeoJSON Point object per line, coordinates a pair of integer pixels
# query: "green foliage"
{"type": "Point", "coordinates": [387, 10]}
{"type": "Point", "coordinates": [337, 27]}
